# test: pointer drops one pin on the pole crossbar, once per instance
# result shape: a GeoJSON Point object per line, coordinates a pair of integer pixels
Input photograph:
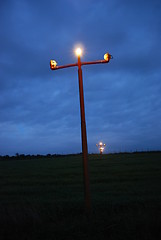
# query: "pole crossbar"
{"type": "Point", "coordinates": [76, 64]}
{"type": "Point", "coordinates": [94, 62]}
{"type": "Point", "coordinates": [64, 66]}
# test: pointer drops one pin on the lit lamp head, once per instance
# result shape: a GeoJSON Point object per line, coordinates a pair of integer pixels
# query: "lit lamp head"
{"type": "Point", "coordinates": [78, 52]}
{"type": "Point", "coordinates": [53, 64]}
{"type": "Point", "coordinates": [107, 57]}
{"type": "Point", "coordinates": [101, 149]}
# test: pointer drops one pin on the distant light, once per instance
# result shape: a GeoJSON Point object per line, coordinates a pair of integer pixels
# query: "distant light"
{"type": "Point", "coordinates": [78, 51]}
{"type": "Point", "coordinates": [101, 146]}
{"type": "Point", "coordinates": [53, 64]}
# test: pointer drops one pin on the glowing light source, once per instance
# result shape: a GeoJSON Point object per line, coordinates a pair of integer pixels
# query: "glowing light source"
{"type": "Point", "coordinates": [53, 64]}
{"type": "Point", "coordinates": [107, 57]}
{"type": "Point", "coordinates": [78, 51]}
{"type": "Point", "coordinates": [101, 147]}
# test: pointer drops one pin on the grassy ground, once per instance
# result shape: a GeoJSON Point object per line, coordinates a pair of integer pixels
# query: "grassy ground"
{"type": "Point", "coordinates": [44, 199]}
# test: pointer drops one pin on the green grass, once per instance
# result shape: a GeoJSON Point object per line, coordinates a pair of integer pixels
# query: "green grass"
{"type": "Point", "coordinates": [44, 198]}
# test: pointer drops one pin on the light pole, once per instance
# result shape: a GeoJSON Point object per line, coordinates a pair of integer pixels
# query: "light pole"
{"type": "Point", "coordinates": [84, 134]}
{"type": "Point", "coordinates": [53, 66]}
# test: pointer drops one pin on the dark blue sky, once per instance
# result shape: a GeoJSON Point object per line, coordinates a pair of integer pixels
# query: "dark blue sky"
{"type": "Point", "coordinates": [39, 108]}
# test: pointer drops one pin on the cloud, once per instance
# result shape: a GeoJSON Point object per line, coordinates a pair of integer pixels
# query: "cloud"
{"type": "Point", "coordinates": [39, 108]}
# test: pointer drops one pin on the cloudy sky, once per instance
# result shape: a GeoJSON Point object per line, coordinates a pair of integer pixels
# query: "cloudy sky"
{"type": "Point", "coordinates": [39, 108]}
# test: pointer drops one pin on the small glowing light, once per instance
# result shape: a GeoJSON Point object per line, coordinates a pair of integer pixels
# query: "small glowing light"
{"type": "Point", "coordinates": [101, 146]}
{"type": "Point", "coordinates": [78, 51]}
{"type": "Point", "coordinates": [107, 57]}
{"type": "Point", "coordinates": [53, 64]}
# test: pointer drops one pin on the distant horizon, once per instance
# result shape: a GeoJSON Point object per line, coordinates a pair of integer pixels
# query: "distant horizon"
{"type": "Point", "coordinates": [78, 153]}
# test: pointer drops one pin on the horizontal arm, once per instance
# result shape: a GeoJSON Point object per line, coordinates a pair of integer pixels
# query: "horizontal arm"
{"type": "Point", "coordinates": [64, 66]}
{"type": "Point", "coordinates": [94, 62]}
{"type": "Point", "coordinates": [76, 64]}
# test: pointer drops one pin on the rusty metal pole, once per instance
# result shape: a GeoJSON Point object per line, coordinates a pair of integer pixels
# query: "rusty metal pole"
{"type": "Point", "coordinates": [53, 66]}
{"type": "Point", "coordinates": [84, 140]}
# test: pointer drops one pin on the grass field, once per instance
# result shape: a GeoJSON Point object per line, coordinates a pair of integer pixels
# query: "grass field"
{"type": "Point", "coordinates": [44, 199]}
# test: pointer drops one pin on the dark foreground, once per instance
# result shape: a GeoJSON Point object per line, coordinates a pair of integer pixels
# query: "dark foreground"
{"type": "Point", "coordinates": [43, 198]}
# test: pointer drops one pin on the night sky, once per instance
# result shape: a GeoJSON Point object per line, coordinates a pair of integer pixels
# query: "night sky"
{"type": "Point", "coordinates": [39, 108]}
